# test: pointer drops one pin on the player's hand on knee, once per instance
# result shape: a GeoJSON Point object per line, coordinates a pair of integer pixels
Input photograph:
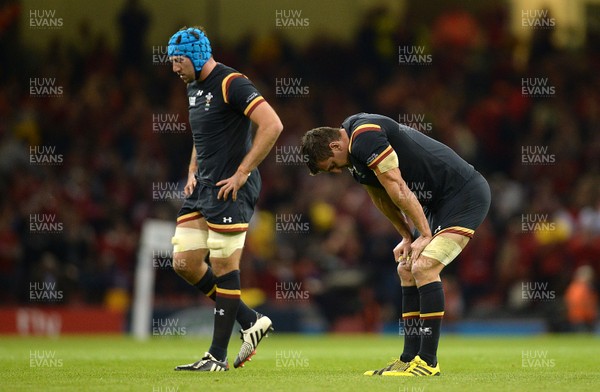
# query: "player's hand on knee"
{"type": "Point", "coordinates": [405, 273]}
{"type": "Point", "coordinates": [418, 245]}
{"type": "Point", "coordinates": [406, 264]}
{"type": "Point", "coordinates": [402, 250]}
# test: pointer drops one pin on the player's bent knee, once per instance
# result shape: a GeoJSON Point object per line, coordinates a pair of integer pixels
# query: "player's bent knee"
{"type": "Point", "coordinates": [223, 245]}
{"type": "Point", "coordinates": [421, 269]}
{"type": "Point", "coordinates": [404, 273]}
{"type": "Point", "coordinates": [442, 249]}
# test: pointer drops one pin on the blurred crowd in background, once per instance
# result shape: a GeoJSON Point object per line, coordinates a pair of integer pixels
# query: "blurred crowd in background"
{"type": "Point", "coordinates": [469, 96]}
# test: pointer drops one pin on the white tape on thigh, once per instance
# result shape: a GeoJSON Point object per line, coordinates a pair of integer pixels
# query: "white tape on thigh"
{"type": "Point", "coordinates": [186, 238]}
{"type": "Point", "coordinates": [223, 245]}
{"type": "Point", "coordinates": [442, 249]}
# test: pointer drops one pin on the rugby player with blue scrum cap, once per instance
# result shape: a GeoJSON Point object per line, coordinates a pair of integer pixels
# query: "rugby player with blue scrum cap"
{"type": "Point", "coordinates": [449, 199]}
{"type": "Point", "coordinates": [221, 191]}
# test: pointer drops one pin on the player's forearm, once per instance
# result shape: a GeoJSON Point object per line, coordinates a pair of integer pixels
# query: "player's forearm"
{"type": "Point", "coordinates": [383, 202]}
{"type": "Point", "coordinates": [264, 140]}
{"type": "Point", "coordinates": [193, 167]}
{"type": "Point", "coordinates": [400, 224]}
{"type": "Point", "coordinates": [403, 197]}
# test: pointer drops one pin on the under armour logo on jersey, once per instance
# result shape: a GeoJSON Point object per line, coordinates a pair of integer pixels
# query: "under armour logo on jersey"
{"type": "Point", "coordinates": [227, 219]}
{"type": "Point", "coordinates": [199, 93]}
{"type": "Point", "coordinates": [220, 312]}
{"type": "Point", "coordinates": [437, 229]}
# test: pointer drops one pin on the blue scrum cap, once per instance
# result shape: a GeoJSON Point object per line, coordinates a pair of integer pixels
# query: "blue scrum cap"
{"type": "Point", "coordinates": [193, 44]}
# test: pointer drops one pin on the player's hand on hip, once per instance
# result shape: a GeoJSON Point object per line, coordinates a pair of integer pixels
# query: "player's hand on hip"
{"type": "Point", "coordinates": [232, 185]}
{"type": "Point", "coordinates": [190, 185]}
{"type": "Point", "coordinates": [418, 245]}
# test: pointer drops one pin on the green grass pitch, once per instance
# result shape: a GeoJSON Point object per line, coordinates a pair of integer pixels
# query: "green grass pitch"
{"type": "Point", "coordinates": [298, 363]}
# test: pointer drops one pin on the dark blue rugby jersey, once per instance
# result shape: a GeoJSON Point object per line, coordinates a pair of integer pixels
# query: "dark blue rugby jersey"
{"type": "Point", "coordinates": [219, 110]}
{"type": "Point", "coordinates": [431, 169]}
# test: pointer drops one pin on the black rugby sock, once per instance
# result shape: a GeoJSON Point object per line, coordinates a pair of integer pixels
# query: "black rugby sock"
{"type": "Point", "coordinates": [227, 302]}
{"type": "Point", "coordinates": [410, 318]}
{"type": "Point", "coordinates": [208, 285]}
{"type": "Point", "coordinates": [432, 312]}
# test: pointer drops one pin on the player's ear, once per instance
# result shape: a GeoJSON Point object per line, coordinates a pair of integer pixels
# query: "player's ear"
{"type": "Point", "coordinates": [335, 145]}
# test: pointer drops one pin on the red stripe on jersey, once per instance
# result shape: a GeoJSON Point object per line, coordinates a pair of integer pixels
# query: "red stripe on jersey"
{"type": "Point", "coordinates": [381, 157]}
{"type": "Point", "coordinates": [358, 132]}
{"type": "Point", "coordinates": [360, 129]}
{"type": "Point", "coordinates": [227, 82]}
{"type": "Point", "coordinates": [233, 228]}
{"type": "Point", "coordinates": [189, 217]}
{"type": "Point", "coordinates": [253, 105]}
{"type": "Point", "coordinates": [457, 231]}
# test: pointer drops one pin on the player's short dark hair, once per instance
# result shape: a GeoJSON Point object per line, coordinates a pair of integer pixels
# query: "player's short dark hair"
{"type": "Point", "coordinates": [315, 146]}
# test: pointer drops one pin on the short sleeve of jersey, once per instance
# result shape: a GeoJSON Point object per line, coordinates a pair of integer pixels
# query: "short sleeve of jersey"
{"type": "Point", "coordinates": [241, 94]}
{"type": "Point", "coordinates": [369, 144]}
